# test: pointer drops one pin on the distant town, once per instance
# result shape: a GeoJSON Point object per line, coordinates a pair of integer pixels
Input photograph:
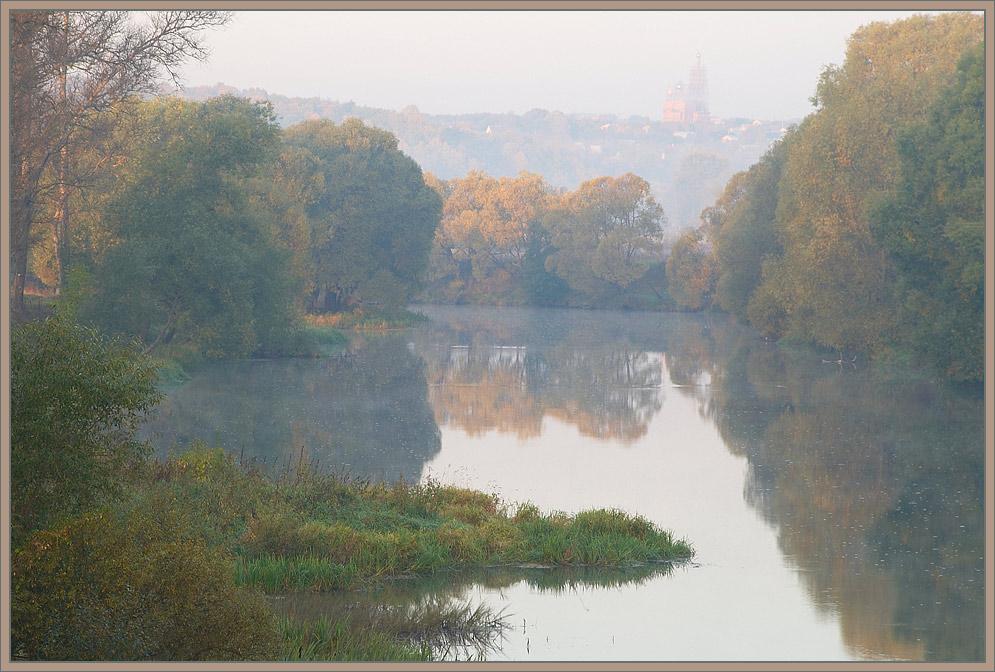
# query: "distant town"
{"type": "Point", "coordinates": [686, 154]}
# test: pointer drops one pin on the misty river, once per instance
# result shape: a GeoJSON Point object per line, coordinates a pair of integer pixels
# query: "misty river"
{"type": "Point", "coordinates": [836, 510]}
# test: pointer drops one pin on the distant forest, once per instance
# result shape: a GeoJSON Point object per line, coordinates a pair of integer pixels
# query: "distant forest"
{"type": "Point", "coordinates": [226, 226]}
{"type": "Point", "coordinates": [686, 167]}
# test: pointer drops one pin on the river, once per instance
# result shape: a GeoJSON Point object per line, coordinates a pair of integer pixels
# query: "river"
{"type": "Point", "coordinates": [836, 509]}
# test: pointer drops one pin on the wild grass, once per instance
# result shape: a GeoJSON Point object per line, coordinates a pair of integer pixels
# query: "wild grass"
{"type": "Point", "coordinates": [341, 639]}
{"type": "Point", "coordinates": [329, 336]}
{"type": "Point", "coordinates": [305, 531]}
{"type": "Point", "coordinates": [172, 373]}
{"type": "Point", "coordinates": [431, 629]}
{"type": "Point", "coordinates": [310, 531]}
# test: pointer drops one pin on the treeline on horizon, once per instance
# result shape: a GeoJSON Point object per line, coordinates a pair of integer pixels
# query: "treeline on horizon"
{"type": "Point", "coordinates": [205, 226]}
{"type": "Point", "coordinates": [686, 165]}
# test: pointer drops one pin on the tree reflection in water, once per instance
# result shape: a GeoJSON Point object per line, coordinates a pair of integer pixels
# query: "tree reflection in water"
{"type": "Point", "coordinates": [873, 480]}
{"type": "Point", "coordinates": [365, 414]}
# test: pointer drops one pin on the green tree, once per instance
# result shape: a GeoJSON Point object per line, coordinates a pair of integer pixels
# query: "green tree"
{"type": "Point", "coordinates": [932, 226]}
{"type": "Point", "coordinates": [194, 260]}
{"type": "Point", "coordinates": [606, 235]}
{"type": "Point", "coordinates": [67, 70]}
{"type": "Point", "coordinates": [834, 284]}
{"type": "Point", "coordinates": [742, 228]}
{"type": "Point", "coordinates": [370, 217]}
{"type": "Point", "coordinates": [76, 400]}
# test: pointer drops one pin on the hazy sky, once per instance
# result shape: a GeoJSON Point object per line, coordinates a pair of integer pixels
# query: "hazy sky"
{"type": "Point", "coordinates": [760, 64]}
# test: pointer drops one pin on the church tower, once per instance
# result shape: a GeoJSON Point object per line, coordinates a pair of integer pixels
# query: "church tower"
{"type": "Point", "coordinates": [698, 92]}
{"type": "Point", "coordinates": [687, 106]}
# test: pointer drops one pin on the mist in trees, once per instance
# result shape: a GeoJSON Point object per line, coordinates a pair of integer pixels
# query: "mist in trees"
{"type": "Point", "coordinates": [862, 229]}
{"type": "Point", "coordinates": [208, 225]}
{"type": "Point", "coordinates": [932, 226]}
{"type": "Point", "coordinates": [194, 258]}
{"type": "Point", "coordinates": [490, 232]}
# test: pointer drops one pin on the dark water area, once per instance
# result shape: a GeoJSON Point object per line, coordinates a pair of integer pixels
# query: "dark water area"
{"type": "Point", "coordinates": [837, 511]}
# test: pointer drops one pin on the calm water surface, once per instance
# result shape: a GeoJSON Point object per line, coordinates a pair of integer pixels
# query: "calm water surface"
{"type": "Point", "coordinates": [836, 511]}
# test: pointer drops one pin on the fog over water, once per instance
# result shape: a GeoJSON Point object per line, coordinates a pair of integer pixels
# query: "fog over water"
{"type": "Point", "coordinates": [836, 512]}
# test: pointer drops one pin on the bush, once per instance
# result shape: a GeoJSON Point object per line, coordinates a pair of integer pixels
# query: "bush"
{"type": "Point", "coordinates": [76, 402]}
{"type": "Point", "coordinates": [132, 585]}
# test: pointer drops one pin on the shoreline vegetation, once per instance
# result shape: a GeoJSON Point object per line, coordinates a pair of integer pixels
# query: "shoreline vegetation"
{"type": "Point", "coordinates": [246, 534]}
{"type": "Point", "coordinates": [205, 231]}
{"type": "Point", "coordinates": [120, 556]}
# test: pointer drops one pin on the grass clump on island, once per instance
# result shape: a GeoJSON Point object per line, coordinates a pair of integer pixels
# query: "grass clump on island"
{"type": "Point", "coordinates": [311, 531]}
{"type": "Point", "coordinates": [198, 537]}
{"type": "Point", "coordinates": [320, 532]}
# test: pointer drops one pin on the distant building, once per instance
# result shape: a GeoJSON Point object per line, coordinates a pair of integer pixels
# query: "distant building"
{"type": "Point", "coordinates": [687, 106]}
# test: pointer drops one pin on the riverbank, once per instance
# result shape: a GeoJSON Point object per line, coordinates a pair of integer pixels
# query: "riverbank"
{"type": "Point", "coordinates": [301, 531]}
{"type": "Point", "coordinates": [312, 531]}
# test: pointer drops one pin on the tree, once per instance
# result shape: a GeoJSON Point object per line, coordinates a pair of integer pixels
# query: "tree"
{"type": "Point", "coordinates": [487, 230]}
{"type": "Point", "coordinates": [605, 235]}
{"type": "Point", "coordinates": [194, 260]}
{"type": "Point", "coordinates": [691, 270]}
{"type": "Point", "coordinates": [133, 585]}
{"type": "Point", "coordinates": [67, 68]}
{"type": "Point", "coordinates": [742, 226]}
{"type": "Point", "coordinates": [932, 226]}
{"type": "Point", "coordinates": [76, 400]}
{"type": "Point", "coordinates": [833, 283]}
{"type": "Point", "coordinates": [370, 216]}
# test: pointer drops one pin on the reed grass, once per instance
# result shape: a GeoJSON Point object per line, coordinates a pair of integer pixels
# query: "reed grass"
{"type": "Point", "coordinates": [427, 629]}
{"type": "Point", "coordinates": [338, 639]}
{"type": "Point", "coordinates": [315, 532]}
{"type": "Point", "coordinates": [311, 531]}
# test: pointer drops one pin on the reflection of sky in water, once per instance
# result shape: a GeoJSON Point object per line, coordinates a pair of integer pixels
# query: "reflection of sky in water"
{"type": "Point", "coordinates": [792, 480]}
{"type": "Point", "coordinates": [740, 602]}
{"type": "Point", "coordinates": [835, 516]}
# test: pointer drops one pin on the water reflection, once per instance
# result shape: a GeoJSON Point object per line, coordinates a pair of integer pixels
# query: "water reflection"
{"type": "Point", "coordinates": [513, 369]}
{"type": "Point", "coordinates": [438, 609]}
{"type": "Point", "coordinates": [872, 480]}
{"type": "Point", "coordinates": [870, 484]}
{"type": "Point", "coordinates": [364, 414]}
{"type": "Point", "coordinates": [875, 484]}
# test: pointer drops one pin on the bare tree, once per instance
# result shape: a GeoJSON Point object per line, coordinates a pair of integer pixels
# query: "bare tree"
{"type": "Point", "coordinates": [67, 69]}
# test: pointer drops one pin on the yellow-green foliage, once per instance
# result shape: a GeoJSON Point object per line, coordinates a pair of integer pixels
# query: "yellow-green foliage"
{"type": "Point", "coordinates": [319, 532]}
{"type": "Point", "coordinates": [615, 523]}
{"type": "Point", "coordinates": [132, 586]}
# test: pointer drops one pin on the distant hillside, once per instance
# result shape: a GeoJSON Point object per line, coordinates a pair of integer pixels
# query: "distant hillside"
{"type": "Point", "coordinates": [687, 169]}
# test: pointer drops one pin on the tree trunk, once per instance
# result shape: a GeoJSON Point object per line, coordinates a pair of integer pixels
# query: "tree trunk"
{"type": "Point", "coordinates": [21, 216]}
{"type": "Point", "coordinates": [19, 227]}
{"type": "Point", "coordinates": [61, 224]}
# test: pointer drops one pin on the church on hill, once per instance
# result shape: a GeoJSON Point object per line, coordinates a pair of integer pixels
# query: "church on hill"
{"type": "Point", "coordinates": [687, 106]}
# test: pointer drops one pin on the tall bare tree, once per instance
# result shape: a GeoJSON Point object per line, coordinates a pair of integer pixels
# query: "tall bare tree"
{"type": "Point", "coordinates": [69, 68]}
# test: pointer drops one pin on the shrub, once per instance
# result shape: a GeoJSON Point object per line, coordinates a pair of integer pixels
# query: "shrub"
{"type": "Point", "coordinates": [132, 585]}
{"type": "Point", "coordinates": [76, 401]}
